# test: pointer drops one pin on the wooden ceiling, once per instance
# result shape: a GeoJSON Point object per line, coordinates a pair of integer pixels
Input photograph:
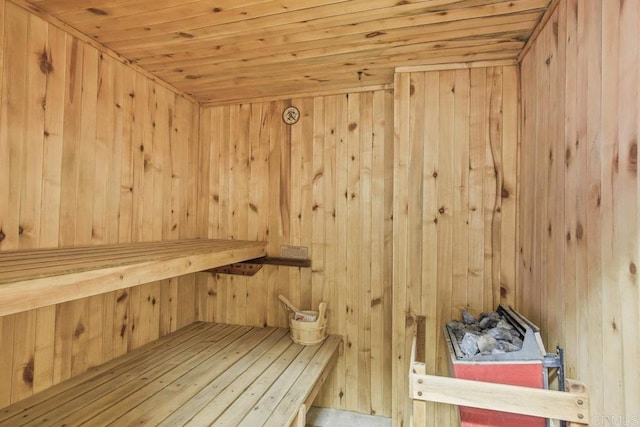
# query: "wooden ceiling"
{"type": "Point", "coordinates": [222, 51]}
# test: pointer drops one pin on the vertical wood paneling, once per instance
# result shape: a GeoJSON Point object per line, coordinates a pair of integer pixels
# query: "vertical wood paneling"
{"type": "Point", "coordinates": [323, 183]}
{"type": "Point", "coordinates": [580, 87]}
{"type": "Point", "coordinates": [455, 173]}
{"type": "Point", "coordinates": [90, 153]}
{"type": "Point", "coordinates": [400, 236]}
{"type": "Point", "coordinates": [429, 291]}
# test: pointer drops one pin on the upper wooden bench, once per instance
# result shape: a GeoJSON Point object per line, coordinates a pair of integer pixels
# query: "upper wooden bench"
{"type": "Point", "coordinates": [36, 278]}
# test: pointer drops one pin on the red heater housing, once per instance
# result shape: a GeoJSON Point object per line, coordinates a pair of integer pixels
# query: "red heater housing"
{"type": "Point", "coordinates": [524, 368]}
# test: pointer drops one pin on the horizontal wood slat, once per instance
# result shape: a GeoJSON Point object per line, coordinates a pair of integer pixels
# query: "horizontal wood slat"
{"type": "Point", "coordinates": [501, 397]}
{"type": "Point", "coordinates": [32, 279]}
{"type": "Point", "coordinates": [92, 152]}
{"type": "Point", "coordinates": [218, 52]}
{"type": "Point", "coordinates": [212, 371]}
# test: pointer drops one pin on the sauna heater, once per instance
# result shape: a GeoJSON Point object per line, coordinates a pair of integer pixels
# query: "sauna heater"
{"type": "Point", "coordinates": [525, 367]}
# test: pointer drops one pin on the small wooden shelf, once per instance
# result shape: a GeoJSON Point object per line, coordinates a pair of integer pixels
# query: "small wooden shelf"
{"type": "Point", "coordinates": [252, 266]}
{"type": "Point", "coordinates": [36, 278]}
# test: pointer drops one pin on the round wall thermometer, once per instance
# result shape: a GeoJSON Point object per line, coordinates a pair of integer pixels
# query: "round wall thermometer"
{"type": "Point", "coordinates": [291, 115]}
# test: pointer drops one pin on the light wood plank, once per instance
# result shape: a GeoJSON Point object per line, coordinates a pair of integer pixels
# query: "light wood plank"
{"type": "Point", "coordinates": [495, 170]}
{"type": "Point", "coordinates": [317, 368]}
{"type": "Point", "coordinates": [82, 399]}
{"type": "Point", "coordinates": [429, 273]}
{"type": "Point", "coordinates": [39, 404]}
{"type": "Point", "coordinates": [168, 38]}
{"type": "Point", "coordinates": [352, 221]}
{"type": "Point", "coordinates": [626, 196]}
{"type": "Point", "coordinates": [173, 394]}
{"type": "Point", "coordinates": [509, 190]}
{"type": "Point", "coordinates": [303, 94]}
{"type": "Point", "coordinates": [34, 135]}
{"type": "Point", "coordinates": [400, 231]}
{"type": "Point", "coordinates": [343, 299]}
{"type": "Point", "coordinates": [460, 199]}
{"type": "Point", "coordinates": [4, 141]}
{"type": "Point", "coordinates": [14, 113]}
{"type": "Point", "coordinates": [53, 125]}
{"type": "Point", "coordinates": [61, 104]}
{"type": "Point", "coordinates": [228, 387]}
{"type": "Point", "coordinates": [365, 300]}
{"type": "Point", "coordinates": [87, 148]}
{"type": "Point", "coordinates": [590, 88]}
{"type": "Point", "coordinates": [338, 18]}
{"type": "Point", "coordinates": [89, 41]}
{"type": "Point", "coordinates": [377, 298]}
{"type": "Point", "coordinates": [7, 328]}
{"type": "Point", "coordinates": [459, 108]}
{"type": "Point", "coordinates": [524, 400]}
{"type": "Point", "coordinates": [233, 412]}
{"type": "Point", "coordinates": [44, 348]}
{"type": "Point", "coordinates": [25, 293]}
{"type": "Point", "coordinates": [478, 122]}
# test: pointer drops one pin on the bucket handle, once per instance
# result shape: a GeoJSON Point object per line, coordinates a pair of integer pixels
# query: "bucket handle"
{"type": "Point", "coordinates": [288, 304]}
{"type": "Point", "coordinates": [321, 311]}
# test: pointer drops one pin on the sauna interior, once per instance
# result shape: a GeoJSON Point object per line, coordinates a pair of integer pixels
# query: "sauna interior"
{"type": "Point", "coordinates": [449, 154]}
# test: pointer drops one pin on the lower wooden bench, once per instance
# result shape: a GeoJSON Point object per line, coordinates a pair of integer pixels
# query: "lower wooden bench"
{"type": "Point", "coordinates": [203, 374]}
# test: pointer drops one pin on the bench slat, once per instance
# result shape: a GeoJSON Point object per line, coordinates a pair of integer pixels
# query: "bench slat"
{"type": "Point", "coordinates": [149, 398]}
{"type": "Point", "coordinates": [43, 262]}
{"type": "Point", "coordinates": [202, 374]}
{"type": "Point", "coordinates": [119, 365]}
{"type": "Point", "coordinates": [229, 413]}
{"type": "Point", "coordinates": [43, 282]}
{"type": "Point", "coordinates": [322, 362]}
{"type": "Point", "coordinates": [212, 400]}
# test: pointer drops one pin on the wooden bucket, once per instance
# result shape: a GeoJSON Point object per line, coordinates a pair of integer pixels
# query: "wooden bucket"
{"type": "Point", "coordinates": [305, 332]}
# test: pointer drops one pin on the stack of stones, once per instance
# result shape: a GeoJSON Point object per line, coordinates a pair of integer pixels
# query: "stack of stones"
{"type": "Point", "coordinates": [489, 334]}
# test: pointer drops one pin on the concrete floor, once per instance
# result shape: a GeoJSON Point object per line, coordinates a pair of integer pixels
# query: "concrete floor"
{"type": "Point", "coordinates": [322, 417]}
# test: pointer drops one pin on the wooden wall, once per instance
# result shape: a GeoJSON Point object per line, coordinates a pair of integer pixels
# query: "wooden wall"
{"type": "Point", "coordinates": [455, 195]}
{"type": "Point", "coordinates": [90, 152]}
{"type": "Point", "coordinates": [324, 183]}
{"type": "Point", "coordinates": [578, 216]}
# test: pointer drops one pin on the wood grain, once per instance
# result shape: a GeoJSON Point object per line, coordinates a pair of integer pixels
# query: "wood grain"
{"type": "Point", "coordinates": [579, 92]}
{"type": "Point", "coordinates": [192, 375]}
{"type": "Point", "coordinates": [71, 133]}
{"type": "Point", "coordinates": [312, 184]}
{"type": "Point", "coordinates": [448, 221]}
{"type": "Point", "coordinates": [234, 52]}
{"type": "Point", "coordinates": [573, 407]}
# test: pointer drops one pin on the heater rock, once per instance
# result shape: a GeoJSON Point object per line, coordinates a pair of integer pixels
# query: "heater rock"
{"type": "Point", "coordinates": [489, 320]}
{"type": "Point", "coordinates": [508, 347]}
{"type": "Point", "coordinates": [469, 344]}
{"type": "Point", "coordinates": [490, 333]}
{"type": "Point", "coordinates": [501, 334]}
{"type": "Point", "coordinates": [468, 318]}
{"type": "Point", "coordinates": [504, 325]}
{"type": "Point", "coordinates": [487, 343]}
{"type": "Point", "coordinates": [454, 325]}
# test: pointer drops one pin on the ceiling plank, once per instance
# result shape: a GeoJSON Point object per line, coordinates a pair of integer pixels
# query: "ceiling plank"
{"type": "Point", "coordinates": [224, 51]}
{"type": "Point", "coordinates": [240, 53]}
{"type": "Point", "coordinates": [310, 28]}
{"type": "Point", "coordinates": [32, 8]}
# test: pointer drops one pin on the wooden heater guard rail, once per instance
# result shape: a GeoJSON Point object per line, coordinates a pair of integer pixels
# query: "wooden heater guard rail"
{"type": "Point", "coordinates": [36, 278]}
{"type": "Point", "coordinates": [571, 406]}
